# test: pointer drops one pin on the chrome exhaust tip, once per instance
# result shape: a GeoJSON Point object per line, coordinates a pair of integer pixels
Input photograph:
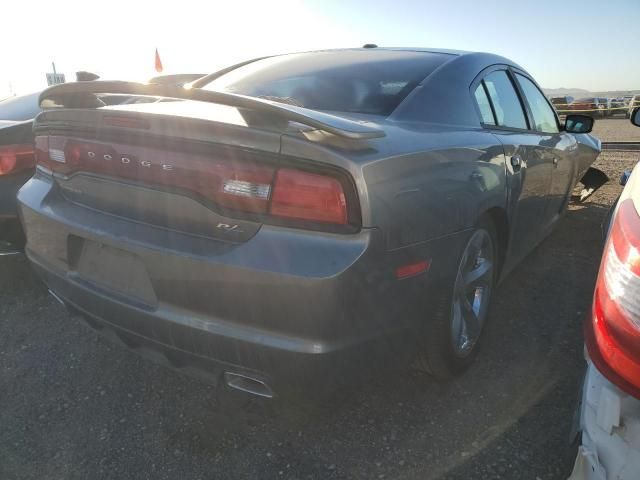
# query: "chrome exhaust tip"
{"type": "Point", "coordinates": [247, 384]}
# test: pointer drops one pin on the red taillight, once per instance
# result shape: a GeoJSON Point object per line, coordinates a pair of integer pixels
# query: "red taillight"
{"type": "Point", "coordinates": [308, 196]}
{"type": "Point", "coordinates": [237, 184]}
{"type": "Point", "coordinates": [15, 158]}
{"type": "Point", "coordinates": [615, 323]}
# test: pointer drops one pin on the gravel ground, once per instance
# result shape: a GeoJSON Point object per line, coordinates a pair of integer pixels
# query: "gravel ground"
{"type": "Point", "coordinates": [74, 406]}
{"type": "Point", "coordinates": [616, 129]}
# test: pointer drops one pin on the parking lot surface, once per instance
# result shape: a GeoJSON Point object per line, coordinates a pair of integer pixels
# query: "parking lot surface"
{"type": "Point", "coordinates": [616, 129]}
{"type": "Point", "coordinates": [74, 406]}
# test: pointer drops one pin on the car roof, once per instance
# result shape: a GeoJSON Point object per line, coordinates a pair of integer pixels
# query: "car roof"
{"type": "Point", "coordinates": [398, 49]}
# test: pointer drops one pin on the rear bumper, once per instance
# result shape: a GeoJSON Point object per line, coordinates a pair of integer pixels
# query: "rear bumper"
{"type": "Point", "coordinates": [280, 304]}
{"type": "Point", "coordinates": [610, 423]}
{"type": "Point", "coordinates": [208, 347]}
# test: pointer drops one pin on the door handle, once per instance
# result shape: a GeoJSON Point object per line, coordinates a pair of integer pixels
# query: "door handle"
{"type": "Point", "coordinates": [516, 162]}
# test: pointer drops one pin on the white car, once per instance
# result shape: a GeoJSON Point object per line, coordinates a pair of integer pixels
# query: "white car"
{"type": "Point", "coordinates": [610, 411]}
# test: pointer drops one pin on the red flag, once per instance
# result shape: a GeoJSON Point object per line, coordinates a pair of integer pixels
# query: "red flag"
{"type": "Point", "coordinates": [158, 62]}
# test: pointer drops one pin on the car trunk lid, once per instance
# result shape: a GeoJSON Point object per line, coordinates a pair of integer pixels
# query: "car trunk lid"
{"type": "Point", "coordinates": [208, 170]}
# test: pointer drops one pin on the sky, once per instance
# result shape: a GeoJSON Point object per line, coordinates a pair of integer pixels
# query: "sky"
{"type": "Point", "coordinates": [591, 44]}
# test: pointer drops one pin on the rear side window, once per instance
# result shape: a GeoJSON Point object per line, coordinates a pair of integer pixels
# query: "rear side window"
{"type": "Point", "coordinates": [543, 116]}
{"type": "Point", "coordinates": [361, 81]}
{"type": "Point", "coordinates": [505, 100]}
{"type": "Point", "coordinates": [484, 106]}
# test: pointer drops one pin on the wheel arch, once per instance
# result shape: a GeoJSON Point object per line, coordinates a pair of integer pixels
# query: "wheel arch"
{"type": "Point", "coordinates": [500, 221]}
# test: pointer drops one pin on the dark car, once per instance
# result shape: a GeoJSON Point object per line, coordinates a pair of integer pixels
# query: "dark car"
{"type": "Point", "coordinates": [17, 164]}
{"type": "Point", "coordinates": [302, 210]}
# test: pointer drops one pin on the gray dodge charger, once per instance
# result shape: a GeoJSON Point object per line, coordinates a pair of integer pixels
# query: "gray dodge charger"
{"type": "Point", "coordinates": [302, 211]}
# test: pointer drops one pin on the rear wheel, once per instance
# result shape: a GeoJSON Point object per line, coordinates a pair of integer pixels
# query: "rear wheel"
{"type": "Point", "coordinates": [459, 310]}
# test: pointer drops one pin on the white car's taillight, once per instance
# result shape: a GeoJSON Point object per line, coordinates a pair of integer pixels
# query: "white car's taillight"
{"type": "Point", "coordinates": [613, 334]}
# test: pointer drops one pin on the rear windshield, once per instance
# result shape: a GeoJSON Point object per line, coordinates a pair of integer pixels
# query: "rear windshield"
{"type": "Point", "coordinates": [359, 81]}
{"type": "Point", "coordinates": [25, 107]}
{"type": "Point", "coordinates": [586, 100]}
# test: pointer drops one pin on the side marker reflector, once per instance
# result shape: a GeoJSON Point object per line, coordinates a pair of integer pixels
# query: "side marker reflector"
{"type": "Point", "coordinates": [413, 269]}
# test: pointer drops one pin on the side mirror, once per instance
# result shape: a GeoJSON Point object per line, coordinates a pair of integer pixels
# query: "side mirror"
{"type": "Point", "coordinates": [635, 117]}
{"type": "Point", "coordinates": [578, 124]}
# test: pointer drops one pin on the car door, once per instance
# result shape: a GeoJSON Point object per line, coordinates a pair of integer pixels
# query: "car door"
{"type": "Point", "coordinates": [554, 146]}
{"type": "Point", "coordinates": [528, 171]}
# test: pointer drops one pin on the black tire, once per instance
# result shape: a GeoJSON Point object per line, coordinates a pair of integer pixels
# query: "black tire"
{"type": "Point", "coordinates": [437, 356]}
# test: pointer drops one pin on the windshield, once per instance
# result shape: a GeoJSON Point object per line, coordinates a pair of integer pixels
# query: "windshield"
{"type": "Point", "coordinates": [369, 81]}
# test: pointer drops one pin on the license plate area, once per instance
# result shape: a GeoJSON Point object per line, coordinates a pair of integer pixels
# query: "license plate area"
{"type": "Point", "coordinates": [117, 271]}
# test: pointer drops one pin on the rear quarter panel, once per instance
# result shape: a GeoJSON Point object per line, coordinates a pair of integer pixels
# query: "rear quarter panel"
{"type": "Point", "coordinates": [439, 189]}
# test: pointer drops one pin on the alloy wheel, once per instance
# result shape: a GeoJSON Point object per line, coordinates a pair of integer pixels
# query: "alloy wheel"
{"type": "Point", "coordinates": [472, 292]}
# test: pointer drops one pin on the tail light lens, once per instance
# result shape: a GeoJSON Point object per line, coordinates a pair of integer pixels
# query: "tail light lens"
{"type": "Point", "coordinates": [271, 193]}
{"type": "Point", "coordinates": [15, 158]}
{"type": "Point", "coordinates": [309, 196]}
{"type": "Point", "coordinates": [613, 335]}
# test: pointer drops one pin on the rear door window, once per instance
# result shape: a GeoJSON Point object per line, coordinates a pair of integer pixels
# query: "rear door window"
{"type": "Point", "coordinates": [505, 100]}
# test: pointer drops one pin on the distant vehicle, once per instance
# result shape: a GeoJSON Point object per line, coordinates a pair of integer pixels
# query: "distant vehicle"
{"type": "Point", "coordinates": [560, 103]}
{"type": "Point", "coordinates": [634, 102]}
{"type": "Point", "coordinates": [596, 107]}
{"type": "Point", "coordinates": [17, 164]}
{"type": "Point", "coordinates": [610, 407]}
{"type": "Point", "coordinates": [618, 106]}
{"type": "Point", "coordinates": [302, 211]}
{"type": "Point", "coordinates": [606, 102]}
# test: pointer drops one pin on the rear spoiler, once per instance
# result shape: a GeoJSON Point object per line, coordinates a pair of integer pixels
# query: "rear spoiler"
{"type": "Point", "coordinates": [76, 94]}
